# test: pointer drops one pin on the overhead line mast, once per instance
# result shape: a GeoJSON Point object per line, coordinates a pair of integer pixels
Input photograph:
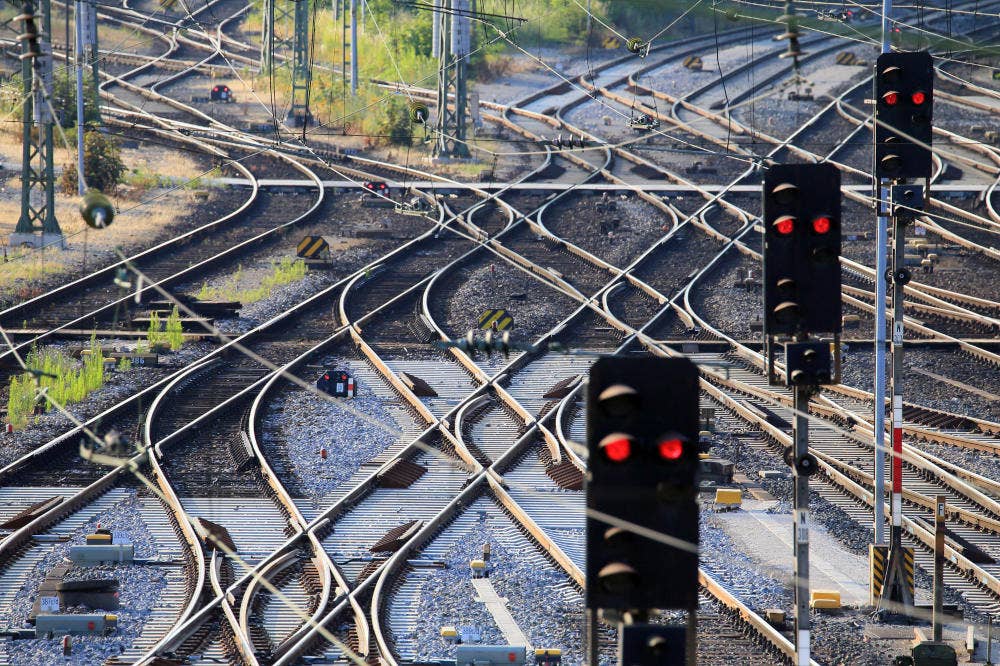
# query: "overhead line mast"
{"type": "Point", "coordinates": [37, 225]}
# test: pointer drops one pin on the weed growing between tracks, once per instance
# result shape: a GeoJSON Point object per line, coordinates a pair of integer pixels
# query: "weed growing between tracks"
{"type": "Point", "coordinates": [172, 334]}
{"type": "Point", "coordinates": [64, 379]}
{"type": "Point", "coordinates": [283, 272]}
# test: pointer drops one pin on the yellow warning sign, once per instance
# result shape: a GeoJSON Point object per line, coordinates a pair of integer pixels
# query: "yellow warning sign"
{"type": "Point", "coordinates": [693, 62]}
{"type": "Point", "coordinates": [311, 247]}
{"type": "Point", "coordinates": [495, 319]}
{"type": "Point", "coordinates": [878, 560]}
{"type": "Point", "coordinates": [846, 58]}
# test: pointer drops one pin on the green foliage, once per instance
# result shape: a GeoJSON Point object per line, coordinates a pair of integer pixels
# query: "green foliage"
{"type": "Point", "coordinates": [64, 100]}
{"type": "Point", "coordinates": [175, 330]}
{"type": "Point", "coordinates": [125, 364]}
{"type": "Point", "coordinates": [154, 336]}
{"type": "Point", "coordinates": [396, 122]}
{"type": "Point", "coordinates": [20, 400]}
{"type": "Point", "coordinates": [64, 380]}
{"type": "Point", "coordinates": [102, 164]}
{"type": "Point", "coordinates": [283, 272]}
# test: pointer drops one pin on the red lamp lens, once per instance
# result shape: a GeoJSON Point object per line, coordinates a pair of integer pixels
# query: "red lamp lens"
{"type": "Point", "coordinates": [918, 97]}
{"type": "Point", "coordinates": [785, 226]}
{"type": "Point", "coordinates": [821, 225]}
{"type": "Point", "coordinates": [891, 98]}
{"type": "Point", "coordinates": [671, 449]}
{"type": "Point", "coordinates": [618, 450]}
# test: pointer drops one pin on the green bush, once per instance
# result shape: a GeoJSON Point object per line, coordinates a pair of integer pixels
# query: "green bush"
{"type": "Point", "coordinates": [102, 164]}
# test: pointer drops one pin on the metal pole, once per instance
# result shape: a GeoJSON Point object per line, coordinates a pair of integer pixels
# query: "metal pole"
{"type": "Point", "coordinates": [593, 655]}
{"type": "Point", "coordinates": [800, 527]}
{"type": "Point", "coordinates": [78, 53]}
{"type": "Point", "coordinates": [989, 640]}
{"type": "Point", "coordinates": [939, 519]}
{"type": "Point", "coordinates": [898, 251]}
{"type": "Point", "coordinates": [95, 58]}
{"type": "Point", "coordinates": [436, 30]}
{"type": "Point", "coordinates": [691, 636]}
{"type": "Point", "coordinates": [882, 240]}
{"type": "Point", "coordinates": [354, 47]}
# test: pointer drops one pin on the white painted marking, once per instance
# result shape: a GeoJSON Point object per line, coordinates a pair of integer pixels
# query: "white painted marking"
{"type": "Point", "coordinates": [497, 607]}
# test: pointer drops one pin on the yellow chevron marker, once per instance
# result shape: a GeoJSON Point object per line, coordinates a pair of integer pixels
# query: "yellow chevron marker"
{"type": "Point", "coordinates": [500, 317]}
{"type": "Point", "coordinates": [311, 246]}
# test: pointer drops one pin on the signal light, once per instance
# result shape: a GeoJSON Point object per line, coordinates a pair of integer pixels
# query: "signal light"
{"type": "Point", "coordinates": [619, 400]}
{"type": "Point", "coordinates": [903, 130]}
{"type": "Point", "coordinates": [671, 449]}
{"type": "Point", "coordinates": [822, 224]}
{"type": "Point", "coordinates": [618, 578]}
{"type": "Point", "coordinates": [784, 225]}
{"type": "Point", "coordinates": [616, 447]}
{"type": "Point", "coordinates": [215, 89]}
{"type": "Point", "coordinates": [640, 411]}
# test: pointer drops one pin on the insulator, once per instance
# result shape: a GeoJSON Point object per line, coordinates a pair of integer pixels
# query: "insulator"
{"type": "Point", "coordinates": [97, 210]}
{"type": "Point", "coordinates": [419, 113]}
{"type": "Point", "coordinates": [637, 46]}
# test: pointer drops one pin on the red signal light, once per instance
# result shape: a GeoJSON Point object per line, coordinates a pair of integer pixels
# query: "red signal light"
{"type": "Point", "coordinates": [918, 97]}
{"type": "Point", "coordinates": [822, 224]}
{"type": "Point", "coordinates": [343, 376]}
{"type": "Point", "coordinates": [326, 377]}
{"type": "Point", "coordinates": [215, 89]}
{"type": "Point", "coordinates": [671, 449]}
{"type": "Point", "coordinates": [785, 225]}
{"type": "Point", "coordinates": [617, 447]}
{"type": "Point", "coordinates": [891, 98]}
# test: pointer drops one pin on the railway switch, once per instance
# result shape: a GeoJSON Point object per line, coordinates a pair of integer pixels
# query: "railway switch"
{"type": "Point", "coordinates": [904, 89]}
{"type": "Point", "coordinates": [642, 432]}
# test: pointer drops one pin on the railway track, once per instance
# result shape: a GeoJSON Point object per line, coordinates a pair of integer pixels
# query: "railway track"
{"type": "Point", "coordinates": [566, 267]}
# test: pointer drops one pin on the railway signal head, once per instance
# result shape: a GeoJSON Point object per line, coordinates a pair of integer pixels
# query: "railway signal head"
{"type": "Point", "coordinates": [904, 88]}
{"type": "Point", "coordinates": [808, 364]}
{"type": "Point", "coordinates": [642, 434]}
{"type": "Point", "coordinates": [376, 186]}
{"type": "Point", "coordinates": [801, 249]}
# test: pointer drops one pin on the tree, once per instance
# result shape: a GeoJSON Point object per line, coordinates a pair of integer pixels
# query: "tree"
{"type": "Point", "coordinates": [64, 101]}
{"type": "Point", "coordinates": [397, 122]}
{"type": "Point", "coordinates": [102, 164]}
